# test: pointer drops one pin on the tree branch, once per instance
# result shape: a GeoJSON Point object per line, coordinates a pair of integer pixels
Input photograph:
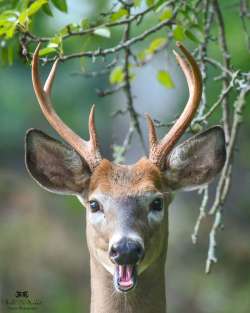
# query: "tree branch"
{"type": "Point", "coordinates": [121, 46]}
{"type": "Point", "coordinates": [226, 62]}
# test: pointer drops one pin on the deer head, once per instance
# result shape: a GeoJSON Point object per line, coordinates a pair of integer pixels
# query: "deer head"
{"type": "Point", "coordinates": [127, 205]}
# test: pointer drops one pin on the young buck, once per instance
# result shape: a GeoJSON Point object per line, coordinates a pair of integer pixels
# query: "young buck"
{"type": "Point", "coordinates": [126, 205]}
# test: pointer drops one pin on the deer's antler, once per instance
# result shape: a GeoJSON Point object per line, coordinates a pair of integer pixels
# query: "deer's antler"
{"type": "Point", "coordinates": [89, 150]}
{"type": "Point", "coordinates": [159, 149]}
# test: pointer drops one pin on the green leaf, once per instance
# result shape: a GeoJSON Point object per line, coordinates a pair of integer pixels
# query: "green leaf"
{"type": "Point", "coordinates": [165, 79]}
{"type": "Point", "coordinates": [160, 5]}
{"type": "Point", "coordinates": [188, 16]}
{"type": "Point", "coordinates": [64, 31]}
{"type": "Point", "coordinates": [85, 23]}
{"type": "Point", "coordinates": [10, 54]}
{"type": "Point", "coordinates": [73, 27]}
{"type": "Point", "coordinates": [8, 23]}
{"type": "Point", "coordinates": [197, 32]}
{"type": "Point", "coordinates": [150, 2]}
{"type": "Point", "coordinates": [103, 32]}
{"type": "Point", "coordinates": [68, 29]}
{"type": "Point", "coordinates": [23, 18]}
{"type": "Point", "coordinates": [47, 10]}
{"type": "Point", "coordinates": [4, 55]}
{"type": "Point", "coordinates": [141, 56]}
{"type": "Point", "coordinates": [156, 44]}
{"type": "Point", "coordinates": [9, 15]}
{"type": "Point", "coordinates": [119, 14]}
{"type": "Point", "coordinates": [137, 3]}
{"type": "Point", "coordinates": [46, 51]}
{"type": "Point", "coordinates": [178, 33]}
{"type": "Point", "coordinates": [60, 5]}
{"type": "Point", "coordinates": [117, 75]}
{"type": "Point", "coordinates": [192, 36]}
{"type": "Point", "coordinates": [166, 15]}
{"type": "Point", "coordinates": [35, 6]}
{"type": "Point", "coordinates": [14, 3]}
{"type": "Point", "coordinates": [118, 154]}
{"type": "Point", "coordinates": [8, 30]}
{"type": "Point", "coordinates": [191, 15]}
{"type": "Point", "coordinates": [55, 41]}
{"type": "Point", "coordinates": [22, 5]}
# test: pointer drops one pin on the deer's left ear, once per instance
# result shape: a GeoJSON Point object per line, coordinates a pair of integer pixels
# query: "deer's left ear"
{"type": "Point", "coordinates": [196, 161]}
{"type": "Point", "coordinates": [55, 166]}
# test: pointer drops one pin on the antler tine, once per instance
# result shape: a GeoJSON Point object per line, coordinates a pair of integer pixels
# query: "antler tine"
{"type": "Point", "coordinates": [152, 136]}
{"type": "Point", "coordinates": [87, 149]}
{"type": "Point", "coordinates": [92, 131]}
{"type": "Point", "coordinates": [158, 151]}
{"type": "Point", "coordinates": [49, 81]}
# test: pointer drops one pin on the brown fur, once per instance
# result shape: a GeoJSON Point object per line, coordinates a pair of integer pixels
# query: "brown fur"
{"type": "Point", "coordinates": [123, 184]}
{"type": "Point", "coordinates": [115, 179]}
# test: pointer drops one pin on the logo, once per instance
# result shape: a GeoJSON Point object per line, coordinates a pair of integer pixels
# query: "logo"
{"type": "Point", "coordinates": [21, 300]}
{"type": "Point", "coordinates": [22, 294]}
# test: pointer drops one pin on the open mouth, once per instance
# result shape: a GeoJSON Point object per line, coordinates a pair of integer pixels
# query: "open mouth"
{"type": "Point", "coordinates": [125, 277]}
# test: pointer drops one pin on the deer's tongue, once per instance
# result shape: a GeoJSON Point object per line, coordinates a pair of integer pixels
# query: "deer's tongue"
{"type": "Point", "coordinates": [125, 273]}
{"type": "Point", "coordinates": [126, 276]}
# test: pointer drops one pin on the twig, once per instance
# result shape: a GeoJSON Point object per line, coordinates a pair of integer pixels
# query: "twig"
{"type": "Point", "coordinates": [244, 14]}
{"type": "Point", "coordinates": [128, 139]}
{"type": "Point", "coordinates": [108, 92]}
{"type": "Point", "coordinates": [224, 93]}
{"type": "Point", "coordinates": [208, 19]}
{"type": "Point", "coordinates": [134, 122]}
{"type": "Point", "coordinates": [159, 124]}
{"type": "Point", "coordinates": [121, 46]}
{"type": "Point", "coordinates": [201, 216]}
{"type": "Point", "coordinates": [94, 74]}
{"type": "Point", "coordinates": [237, 119]}
{"type": "Point", "coordinates": [119, 112]}
{"type": "Point", "coordinates": [91, 30]}
{"type": "Point", "coordinates": [224, 182]}
{"type": "Point", "coordinates": [211, 257]}
{"type": "Point", "coordinates": [225, 71]}
{"type": "Point", "coordinates": [226, 62]}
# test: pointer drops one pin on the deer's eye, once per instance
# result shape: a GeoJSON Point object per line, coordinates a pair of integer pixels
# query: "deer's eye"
{"type": "Point", "coordinates": [156, 204]}
{"type": "Point", "coordinates": [94, 206]}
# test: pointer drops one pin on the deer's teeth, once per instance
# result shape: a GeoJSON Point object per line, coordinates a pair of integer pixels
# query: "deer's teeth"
{"type": "Point", "coordinates": [125, 277]}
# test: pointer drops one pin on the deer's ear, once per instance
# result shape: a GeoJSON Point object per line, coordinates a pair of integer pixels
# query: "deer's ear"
{"type": "Point", "coordinates": [196, 161]}
{"type": "Point", "coordinates": [55, 166]}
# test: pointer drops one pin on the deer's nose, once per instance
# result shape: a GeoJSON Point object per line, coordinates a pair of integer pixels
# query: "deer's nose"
{"type": "Point", "coordinates": [126, 251]}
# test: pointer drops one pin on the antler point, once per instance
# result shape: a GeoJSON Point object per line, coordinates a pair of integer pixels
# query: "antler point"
{"type": "Point", "coordinates": [175, 53]}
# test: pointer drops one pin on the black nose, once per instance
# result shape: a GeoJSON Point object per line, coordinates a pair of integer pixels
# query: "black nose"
{"type": "Point", "coordinates": [126, 251]}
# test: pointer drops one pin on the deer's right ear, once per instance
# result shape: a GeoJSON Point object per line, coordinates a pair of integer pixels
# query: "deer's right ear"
{"type": "Point", "coordinates": [55, 166]}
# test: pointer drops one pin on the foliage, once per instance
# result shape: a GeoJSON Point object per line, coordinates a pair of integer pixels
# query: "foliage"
{"type": "Point", "coordinates": [17, 16]}
{"type": "Point", "coordinates": [165, 79]}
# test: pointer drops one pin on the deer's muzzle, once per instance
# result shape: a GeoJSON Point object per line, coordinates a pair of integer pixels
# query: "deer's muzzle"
{"type": "Point", "coordinates": [126, 254]}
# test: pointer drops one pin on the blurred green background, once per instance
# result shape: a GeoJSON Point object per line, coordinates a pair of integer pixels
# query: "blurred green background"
{"type": "Point", "coordinates": [42, 236]}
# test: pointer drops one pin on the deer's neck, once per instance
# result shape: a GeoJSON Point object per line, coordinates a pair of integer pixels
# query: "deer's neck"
{"type": "Point", "coordinates": [148, 296]}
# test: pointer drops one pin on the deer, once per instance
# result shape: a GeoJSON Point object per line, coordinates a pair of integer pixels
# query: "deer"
{"type": "Point", "coordinates": [126, 205]}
